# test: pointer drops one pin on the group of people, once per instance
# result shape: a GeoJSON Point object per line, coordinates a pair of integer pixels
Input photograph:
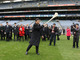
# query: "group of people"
{"type": "Point", "coordinates": [75, 33]}
{"type": "Point", "coordinates": [54, 31]}
{"type": "Point", "coordinates": [37, 31]}
{"type": "Point", "coordinates": [20, 32]}
{"type": "Point", "coordinates": [23, 32]}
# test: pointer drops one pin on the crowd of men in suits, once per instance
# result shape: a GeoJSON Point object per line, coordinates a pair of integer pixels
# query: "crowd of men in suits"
{"type": "Point", "coordinates": [21, 32]}
{"type": "Point", "coordinates": [17, 31]}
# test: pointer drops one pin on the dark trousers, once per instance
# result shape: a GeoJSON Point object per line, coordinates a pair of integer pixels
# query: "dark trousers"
{"type": "Point", "coordinates": [7, 37]}
{"type": "Point", "coordinates": [75, 40]}
{"type": "Point", "coordinates": [15, 36]}
{"type": "Point", "coordinates": [58, 37]}
{"type": "Point", "coordinates": [47, 36]}
{"type": "Point", "coordinates": [44, 39]}
{"type": "Point", "coordinates": [26, 36]}
{"type": "Point", "coordinates": [22, 37]}
{"type": "Point", "coordinates": [30, 35]}
{"type": "Point", "coordinates": [2, 36]}
{"type": "Point", "coordinates": [53, 37]}
{"type": "Point", "coordinates": [37, 47]}
{"type": "Point", "coordinates": [68, 37]}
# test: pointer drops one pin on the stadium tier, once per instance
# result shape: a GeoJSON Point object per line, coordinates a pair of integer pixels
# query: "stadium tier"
{"type": "Point", "coordinates": [44, 3]}
{"type": "Point", "coordinates": [27, 11]}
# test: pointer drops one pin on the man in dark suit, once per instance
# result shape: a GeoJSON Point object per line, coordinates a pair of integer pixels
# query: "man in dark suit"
{"type": "Point", "coordinates": [76, 36]}
{"type": "Point", "coordinates": [47, 31]}
{"type": "Point", "coordinates": [15, 31]}
{"type": "Point", "coordinates": [43, 34]}
{"type": "Point", "coordinates": [27, 32]}
{"type": "Point", "coordinates": [30, 31]}
{"type": "Point", "coordinates": [53, 34]}
{"type": "Point", "coordinates": [35, 37]}
{"type": "Point", "coordinates": [7, 31]}
{"type": "Point", "coordinates": [10, 33]}
{"type": "Point", "coordinates": [2, 32]}
{"type": "Point", "coordinates": [58, 33]}
{"type": "Point", "coordinates": [72, 29]}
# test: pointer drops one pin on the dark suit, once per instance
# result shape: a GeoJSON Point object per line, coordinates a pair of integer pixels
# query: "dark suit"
{"type": "Point", "coordinates": [47, 32]}
{"type": "Point", "coordinates": [58, 34]}
{"type": "Point", "coordinates": [76, 37]}
{"type": "Point", "coordinates": [10, 33]}
{"type": "Point", "coordinates": [72, 29]}
{"type": "Point", "coordinates": [53, 35]}
{"type": "Point", "coordinates": [2, 32]}
{"type": "Point", "coordinates": [43, 34]}
{"type": "Point", "coordinates": [7, 30]}
{"type": "Point", "coordinates": [15, 31]}
{"type": "Point", "coordinates": [27, 32]}
{"type": "Point", "coordinates": [30, 32]}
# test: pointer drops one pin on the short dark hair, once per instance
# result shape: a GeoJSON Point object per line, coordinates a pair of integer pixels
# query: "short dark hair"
{"type": "Point", "coordinates": [54, 24]}
{"type": "Point", "coordinates": [6, 22]}
{"type": "Point", "coordinates": [77, 24]}
{"type": "Point", "coordinates": [73, 23]}
{"type": "Point", "coordinates": [14, 23]}
{"type": "Point", "coordinates": [37, 19]}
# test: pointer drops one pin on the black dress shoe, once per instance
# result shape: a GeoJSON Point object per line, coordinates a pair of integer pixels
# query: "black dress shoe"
{"type": "Point", "coordinates": [73, 47]}
{"type": "Point", "coordinates": [54, 45]}
{"type": "Point", "coordinates": [49, 45]}
{"type": "Point", "coordinates": [26, 53]}
{"type": "Point", "coordinates": [37, 53]}
{"type": "Point", "coordinates": [77, 47]}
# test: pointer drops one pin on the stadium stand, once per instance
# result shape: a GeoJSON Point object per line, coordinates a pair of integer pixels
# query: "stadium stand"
{"type": "Point", "coordinates": [24, 22]}
{"type": "Point", "coordinates": [28, 11]}
{"type": "Point", "coordinates": [66, 23]}
{"type": "Point", "coordinates": [36, 4]}
{"type": "Point", "coordinates": [11, 22]}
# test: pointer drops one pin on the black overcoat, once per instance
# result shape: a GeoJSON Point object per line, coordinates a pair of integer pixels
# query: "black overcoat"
{"type": "Point", "coordinates": [76, 35]}
{"type": "Point", "coordinates": [35, 37]}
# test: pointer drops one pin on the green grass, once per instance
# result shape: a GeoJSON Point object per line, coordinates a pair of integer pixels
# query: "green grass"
{"type": "Point", "coordinates": [62, 51]}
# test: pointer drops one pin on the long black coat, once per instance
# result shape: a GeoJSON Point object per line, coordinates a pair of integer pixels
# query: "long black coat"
{"type": "Point", "coordinates": [35, 37]}
{"type": "Point", "coordinates": [76, 35]}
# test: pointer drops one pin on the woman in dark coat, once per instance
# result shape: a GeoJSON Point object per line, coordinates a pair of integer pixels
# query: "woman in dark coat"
{"type": "Point", "coordinates": [35, 37]}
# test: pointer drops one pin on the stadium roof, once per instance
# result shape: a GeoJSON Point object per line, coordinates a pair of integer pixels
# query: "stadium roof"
{"type": "Point", "coordinates": [7, 1]}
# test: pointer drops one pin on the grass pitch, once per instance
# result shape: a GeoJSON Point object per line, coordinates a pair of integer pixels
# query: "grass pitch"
{"type": "Point", "coordinates": [62, 51]}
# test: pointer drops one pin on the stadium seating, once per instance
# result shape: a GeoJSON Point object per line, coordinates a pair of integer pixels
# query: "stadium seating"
{"type": "Point", "coordinates": [68, 23]}
{"type": "Point", "coordinates": [76, 22]}
{"type": "Point", "coordinates": [36, 4]}
{"type": "Point", "coordinates": [65, 23]}
{"type": "Point", "coordinates": [1, 22]}
{"type": "Point", "coordinates": [50, 23]}
{"type": "Point", "coordinates": [10, 22]}
{"type": "Point", "coordinates": [24, 22]}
